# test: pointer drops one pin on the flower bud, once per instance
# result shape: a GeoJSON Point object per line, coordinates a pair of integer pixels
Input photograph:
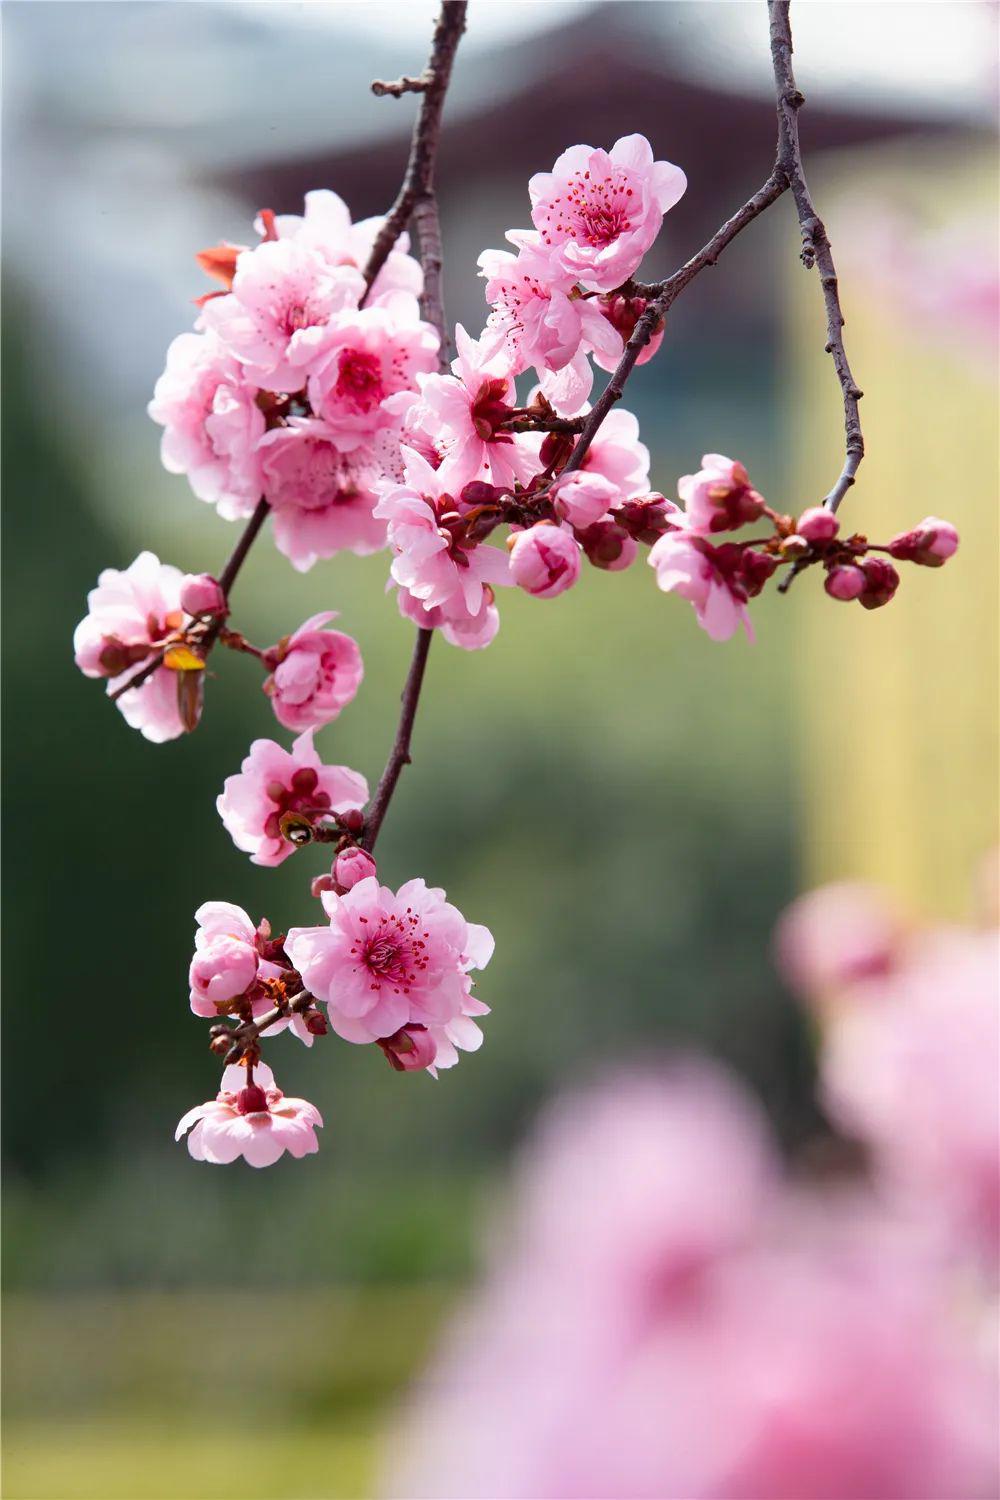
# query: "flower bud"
{"type": "Point", "coordinates": [351, 866]}
{"type": "Point", "coordinates": [930, 544]}
{"type": "Point", "coordinates": [755, 569]}
{"type": "Point", "coordinates": [315, 1022]}
{"type": "Point", "coordinates": [881, 582]}
{"type": "Point", "coordinates": [647, 517]}
{"type": "Point", "coordinates": [583, 498]}
{"type": "Point", "coordinates": [201, 594]}
{"type": "Point", "coordinates": [817, 524]}
{"type": "Point", "coordinates": [608, 546]}
{"type": "Point", "coordinates": [225, 967]}
{"type": "Point", "coordinates": [845, 581]}
{"type": "Point", "coordinates": [353, 819]}
{"type": "Point", "coordinates": [544, 560]}
{"type": "Point", "coordinates": [409, 1049]}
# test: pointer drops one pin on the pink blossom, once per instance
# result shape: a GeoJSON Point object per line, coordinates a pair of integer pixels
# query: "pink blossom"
{"type": "Point", "coordinates": [315, 673]}
{"type": "Point", "coordinates": [201, 594]}
{"type": "Point", "coordinates": [838, 936]}
{"type": "Point", "coordinates": [817, 524]}
{"type": "Point", "coordinates": [226, 959]}
{"type": "Point", "coordinates": [617, 454]}
{"type": "Point", "coordinates": [389, 959]}
{"type": "Point", "coordinates": [283, 301]}
{"type": "Point", "coordinates": [212, 423]}
{"type": "Point", "coordinates": [131, 614]}
{"type": "Point", "coordinates": [844, 581]}
{"type": "Point", "coordinates": [367, 357]}
{"type": "Point", "coordinates": [702, 574]}
{"type": "Point", "coordinates": [912, 1071]}
{"type": "Point", "coordinates": [253, 1120]}
{"type": "Point", "coordinates": [276, 786]}
{"type": "Point", "coordinates": [469, 632]}
{"type": "Point", "coordinates": [598, 212]}
{"type": "Point", "coordinates": [322, 498]}
{"type": "Point", "coordinates": [544, 560]}
{"type": "Point", "coordinates": [719, 497]}
{"type": "Point", "coordinates": [460, 417]}
{"type": "Point", "coordinates": [537, 322]}
{"type": "Point", "coordinates": [931, 543]}
{"type": "Point", "coordinates": [352, 865]}
{"type": "Point", "coordinates": [581, 498]}
{"type": "Point", "coordinates": [432, 556]}
{"type": "Point", "coordinates": [326, 227]}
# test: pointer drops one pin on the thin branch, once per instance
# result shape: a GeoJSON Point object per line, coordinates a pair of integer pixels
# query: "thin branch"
{"type": "Point", "coordinates": [816, 248]}
{"type": "Point", "coordinates": [400, 86]}
{"type": "Point", "coordinates": [399, 756]}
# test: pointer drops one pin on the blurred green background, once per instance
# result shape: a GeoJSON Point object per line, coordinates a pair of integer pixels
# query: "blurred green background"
{"type": "Point", "coordinates": [615, 796]}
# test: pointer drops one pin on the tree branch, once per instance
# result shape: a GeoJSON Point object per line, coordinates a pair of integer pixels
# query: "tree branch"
{"type": "Point", "coordinates": [816, 249]}
{"type": "Point", "coordinates": [399, 756]}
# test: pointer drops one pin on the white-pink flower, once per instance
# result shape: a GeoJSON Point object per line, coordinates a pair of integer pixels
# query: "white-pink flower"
{"type": "Point", "coordinates": [367, 357]}
{"type": "Point", "coordinates": [322, 498]}
{"type": "Point", "coordinates": [253, 1120]}
{"type": "Point", "coordinates": [212, 423]}
{"type": "Point", "coordinates": [277, 790]}
{"type": "Point", "coordinates": [617, 454]}
{"type": "Point", "coordinates": [388, 958]}
{"type": "Point", "coordinates": [690, 566]}
{"type": "Point", "coordinates": [326, 227]}
{"type": "Point", "coordinates": [283, 300]}
{"type": "Point", "coordinates": [226, 959]}
{"type": "Point", "coordinates": [544, 560]}
{"type": "Point", "coordinates": [598, 212]}
{"type": "Point", "coordinates": [461, 416]}
{"type": "Point", "coordinates": [469, 632]}
{"type": "Point", "coordinates": [315, 673]}
{"type": "Point", "coordinates": [131, 613]}
{"type": "Point", "coordinates": [432, 557]}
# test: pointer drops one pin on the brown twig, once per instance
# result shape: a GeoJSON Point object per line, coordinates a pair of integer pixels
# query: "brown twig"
{"type": "Point", "coordinates": [400, 86]}
{"type": "Point", "coordinates": [399, 756]}
{"type": "Point", "coordinates": [816, 249]}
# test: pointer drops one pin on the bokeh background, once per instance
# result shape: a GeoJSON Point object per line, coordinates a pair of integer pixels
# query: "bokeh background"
{"type": "Point", "coordinates": [627, 805]}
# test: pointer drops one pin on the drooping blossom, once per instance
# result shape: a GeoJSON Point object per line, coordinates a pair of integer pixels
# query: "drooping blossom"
{"type": "Point", "coordinates": [838, 936]}
{"type": "Point", "coordinates": [253, 1120]}
{"type": "Point", "coordinates": [278, 791]}
{"type": "Point", "coordinates": [468, 632]}
{"type": "Point", "coordinates": [699, 1327]}
{"type": "Point", "coordinates": [707, 577]}
{"type": "Point", "coordinates": [583, 497]}
{"type": "Point", "coordinates": [544, 560]}
{"type": "Point", "coordinates": [719, 497]}
{"type": "Point", "coordinates": [460, 417]}
{"type": "Point", "coordinates": [597, 212]}
{"type": "Point", "coordinates": [367, 357]}
{"type": "Point", "coordinates": [326, 227]}
{"type": "Point", "coordinates": [283, 301]}
{"type": "Point", "coordinates": [433, 559]}
{"type": "Point", "coordinates": [388, 959]}
{"type": "Point", "coordinates": [322, 497]}
{"type": "Point", "coordinates": [212, 424]}
{"type": "Point", "coordinates": [539, 324]}
{"type": "Point", "coordinates": [132, 613]}
{"type": "Point", "coordinates": [930, 544]}
{"type": "Point", "coordinates": [315, 672]}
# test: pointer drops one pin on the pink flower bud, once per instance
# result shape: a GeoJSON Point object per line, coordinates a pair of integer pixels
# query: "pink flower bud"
{"type": "Point", "coordinates": [351, 866]}
{"type": "Point", "coordinates": [930, 544]}
{"type": "Point", "coordinates": [584, 497]}
{"type": "Point", "coordinates": [845, 581]}
{"type": "Point", "coordinates": [881, 582]}
{"type": "Point", "coordinates": [608, 546]}
{"type": "Point", "coordinates": [817, 524]}
{"type": "Point", "coordinates": [201, 594]}
{"type": "Point", "coordinates": [223, 968]}
{"type": "Point", "coordinates": [409, 1049]}
{"type": "Point", "coordinates": [544, 560]}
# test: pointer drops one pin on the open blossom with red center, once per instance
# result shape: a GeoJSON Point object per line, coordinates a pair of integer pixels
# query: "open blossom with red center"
{"type": "Point", "coordinates": [434, 558]}
{"type": "Point", "coordinates": [283, 298]}
{"type": "Point", "coordinates": [253, 1120]}
{"type": "Point", "coordinates": [719, 497]}
{"type": "Point", "coordinates": [211, 423]}
{"type": "Point", "coordinates": [369, 356]}
{"type": "Point", "coordinates": [322, 499]}
{"type": "Point", "coordinates": [132, 614]}
{"type": "Point", "coordinates": [315, 673]}
{"type": "Point", "coordinates": [388, 959]}
{"type": "Point", "coordinates": [598, 212]}
{"type": "Point", "coordinates": [278, 791]}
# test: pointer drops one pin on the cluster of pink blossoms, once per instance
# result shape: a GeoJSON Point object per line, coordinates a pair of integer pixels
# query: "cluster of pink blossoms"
{"type": "Point", "coordinates": [312, 394]}
{"type": "Point", "coordinates": [673, 1314]}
